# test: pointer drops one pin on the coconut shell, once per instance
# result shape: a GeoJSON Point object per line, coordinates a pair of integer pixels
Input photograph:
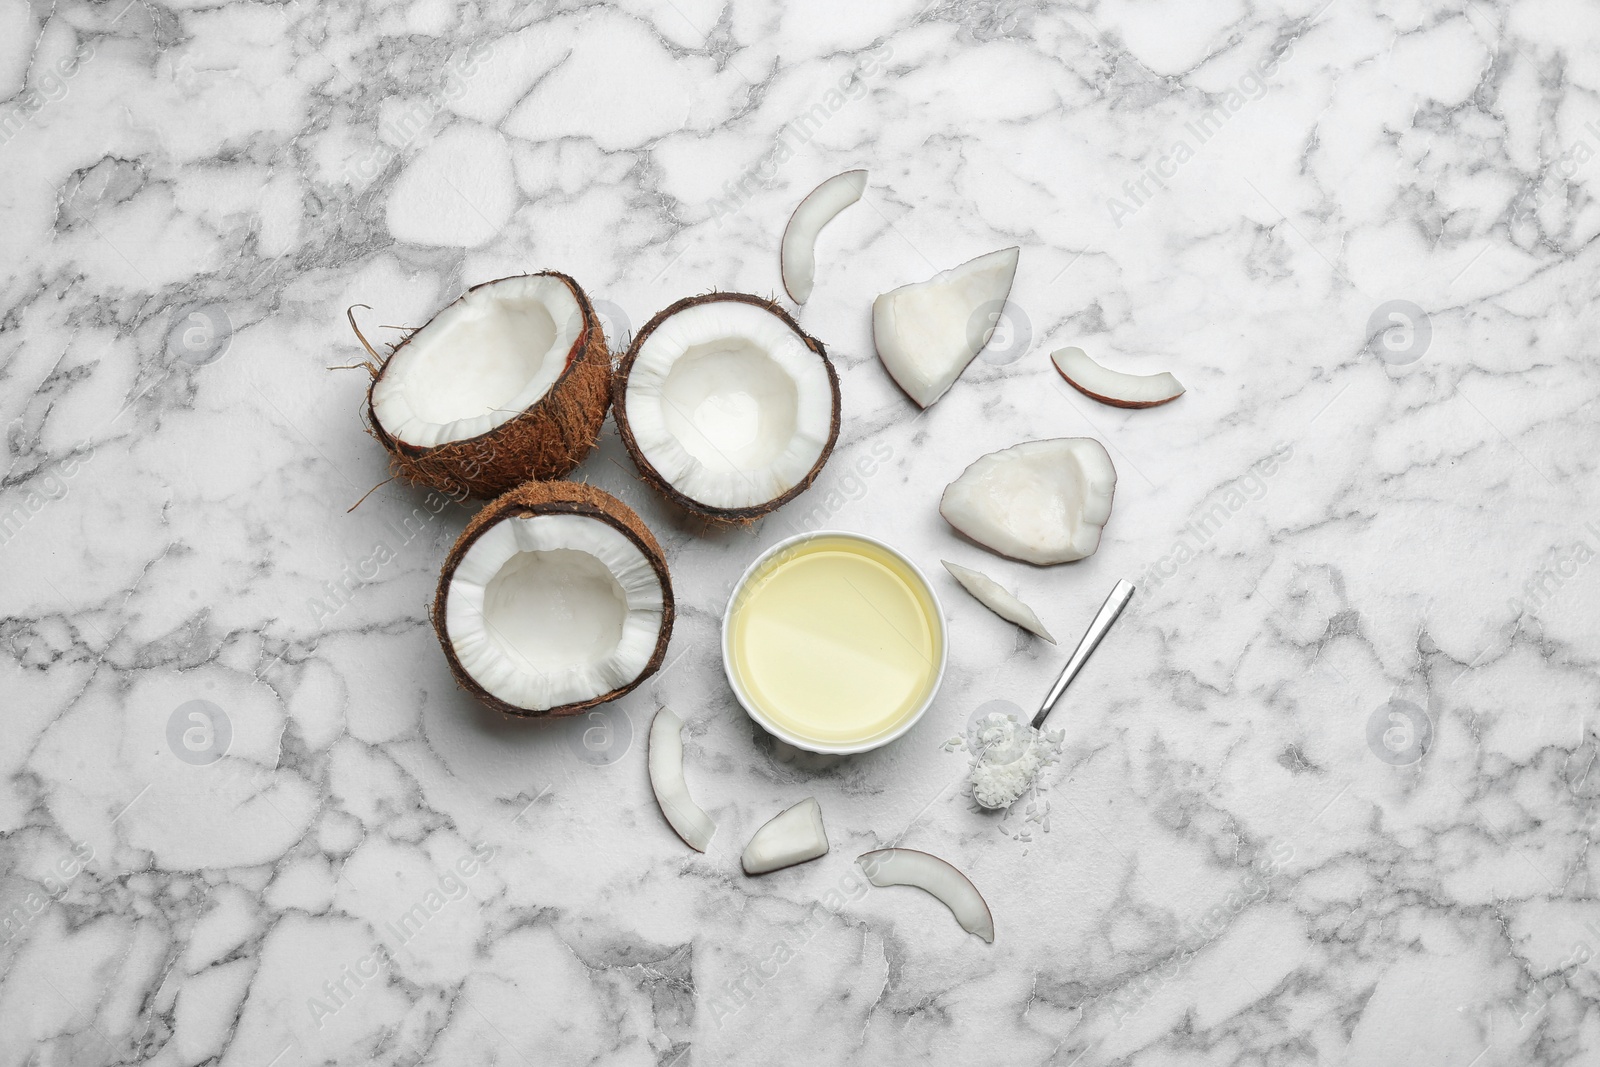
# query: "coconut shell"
{"type": "Point", "coordinates": [619, 401]}
{"type": "Point", "coordinates": [546, 441]}
{"type": "Point", "coordinates": [554, 498]}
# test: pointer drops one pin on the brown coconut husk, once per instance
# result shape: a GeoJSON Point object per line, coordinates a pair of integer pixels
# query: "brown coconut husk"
{"type": "Point", "coordinates": [546, 441]}
{"type": "Point", "coordinates": [554, 498]}
{"type": "Point", "coordinates": [619, 401]}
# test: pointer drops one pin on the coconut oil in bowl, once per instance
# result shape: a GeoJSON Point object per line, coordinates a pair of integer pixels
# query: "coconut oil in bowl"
{"type": "Point", "coordinates": [834, 642]}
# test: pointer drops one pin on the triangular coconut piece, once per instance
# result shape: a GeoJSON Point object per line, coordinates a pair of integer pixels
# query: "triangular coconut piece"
{"type": "Point", "coordinates": [1040, 502]}
{"type": "Point", "coordinates": [994, 596]}
{"type": "Point", "coordinates": [927, 332]}
{"type": "Point", "coordinates": [794, 835]}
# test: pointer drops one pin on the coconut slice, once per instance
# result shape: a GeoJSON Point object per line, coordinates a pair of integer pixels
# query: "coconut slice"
{"type": "Point", "coordinates": [794, 835]}
{"type": "Point", "coordinates": [926, 333]}
{"type": "Point", "coordinates": [1114, 387]}
{"type": "Point", "coordinates": [507, 384]}
{"type": "Point", "coordinates": [554, 599]}
{"type": "Point", "coordinates": [688, 819]}
{"type": "Point", "coordinates": [727, 406]}
{"type": "Point", "coordinates": [1041, 502]}
{"type": "Point", "coordinates": [994, 596]}
{"type": "Point", "coordinates": [798, 254]}
{"type": "Point", "coordinates": [929, 873]}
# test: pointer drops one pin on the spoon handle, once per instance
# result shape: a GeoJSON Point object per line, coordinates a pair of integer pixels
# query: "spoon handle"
{"type": "Point", "coordinates": [1120, 594]}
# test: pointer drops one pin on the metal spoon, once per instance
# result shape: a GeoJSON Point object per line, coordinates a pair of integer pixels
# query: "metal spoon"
{"type": "Point", "coordinates": [1092, 637]}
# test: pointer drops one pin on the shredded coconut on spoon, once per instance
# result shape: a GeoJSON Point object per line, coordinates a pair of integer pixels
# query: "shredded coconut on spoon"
{"type": "Point", "coordinates": [1007, 758]}
{"type": "Point", "coordinates": [1008, 755]}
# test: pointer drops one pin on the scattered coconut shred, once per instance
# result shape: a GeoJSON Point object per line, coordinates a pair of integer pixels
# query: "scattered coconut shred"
{"type": "Point", "coordinates": [1007, 758]}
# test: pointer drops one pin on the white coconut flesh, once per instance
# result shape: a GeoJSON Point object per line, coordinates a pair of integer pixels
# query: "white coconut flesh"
{"type": "Point", "coordinates": [994, 596]}
{"type": "Point", "coordinates": [928, 332]}
{"type": "Point", "coordinates": [798, 257]}
{"type": "Point", "coordinates": [794, 835]}
{"type": "Point", "coordinates": [550, 610]}
{"type": "Point", "coordinates": [1114, 387]}
{"type": "Point", "coordinates": [936, 877]}
{"type": "Point", "coordinates": [480, 362]}
{"type": "Point", "coordinates": [1040, 502]}
{"type": "Point", "coordinates": [728, 404]}
{"type": "Point", "coordinates": [687, 819]}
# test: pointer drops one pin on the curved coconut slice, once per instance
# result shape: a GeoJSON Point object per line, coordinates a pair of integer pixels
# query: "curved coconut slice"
{"type": "Point", "coordinates": [554, 599]}
{"type": "Point", "coordinates": [907, 866]}
{"type": "Point", "coordinates": [794, 835]}
{"type": "Point", "coordinates": [1041, 502]}
{"type": "Point", "coordinates": [507, 384]}
{"type": "Point", "coordinates": [727, 406]}
{"type": "Point", "coordinates": [1114, 387]}
{"type": "Point", "coordinates": [926, 333]}
{"type": "Point", "coordinates": [994, 596]}
{"type": "Point", "coordinates": [687, 818]}
{"type": "Point", "coordinates": [797, 257]}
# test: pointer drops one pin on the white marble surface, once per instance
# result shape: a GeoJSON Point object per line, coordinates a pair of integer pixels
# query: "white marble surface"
{"type": "Point", "coordinates": [1230, 870]}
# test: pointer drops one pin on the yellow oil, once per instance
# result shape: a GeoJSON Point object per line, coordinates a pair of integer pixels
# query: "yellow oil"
{"type": "Point", "coordinates": [835, 641]}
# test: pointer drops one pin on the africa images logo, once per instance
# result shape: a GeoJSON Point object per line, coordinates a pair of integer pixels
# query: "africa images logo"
{"type": "Point", "coordinates": [199, 732]}
{"type": "Point", "coordinates": [1399, 733]}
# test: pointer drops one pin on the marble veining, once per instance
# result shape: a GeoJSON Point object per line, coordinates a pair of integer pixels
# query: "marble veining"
{"type": "Point", "coordinates": [1329, 793]}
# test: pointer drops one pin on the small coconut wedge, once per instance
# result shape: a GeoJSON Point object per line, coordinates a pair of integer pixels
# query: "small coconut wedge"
{"type": "Point", "coordinates": [794, 835]}
{"type": "Point", "coordinates": [1114, 387]}
{"type": "Point", "coordinates": [929, 873]}
{"type": "Point", "coordinates": [928, 332]}
{"type": "Point", "coordinates": [797, 256]}
{"type": "Point", "coordinates": [687, 818]}
{"type": "Point", "coordinates": [727, 407]}
{"type": "Point", "coordinates": [994, 596]}
{"type": "Point", "coordinates": [1040, 502]}
{"type": "Point", "coordinates": [509, 383]}
{"type": "Point", "coordinates": [554, 599]}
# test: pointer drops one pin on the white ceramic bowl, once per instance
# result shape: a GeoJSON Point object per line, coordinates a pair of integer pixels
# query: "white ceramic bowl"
{"type": "Point", "coordinates": [754, 710]}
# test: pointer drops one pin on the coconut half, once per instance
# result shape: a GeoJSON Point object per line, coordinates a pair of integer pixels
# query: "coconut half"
{"type": "Point", "coordinates": [1114, 387]}
{"type": "Point", "coordinates": [1040, 502]}
{"type": "Point", "coordinates": [928, 332]}
{"type": "Point", "coordinates": [726, 406]}
{"type": "Point", "coordinates": [554, 599]}
{"type": "Point", "coordinates": [507, 384]}
{"type": "Point", "coordinates": [797, 257]}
